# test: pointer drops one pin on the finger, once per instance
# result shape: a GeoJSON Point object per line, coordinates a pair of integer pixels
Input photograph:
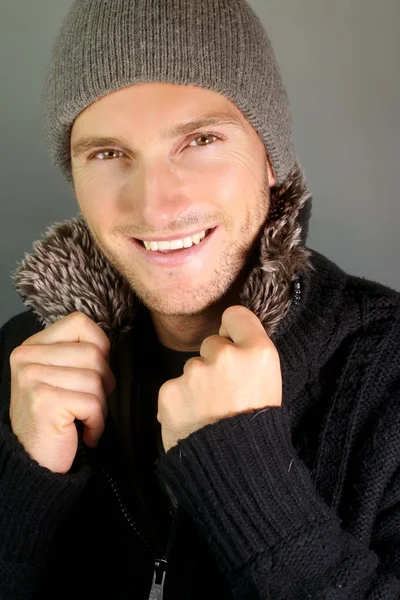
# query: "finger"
{"type": "Point", "coordinates": [211, 346]}
{"type": "Point", "coordinates": [76, 327]}
{"type": "Point", "coordinates": [78, 380]}
{"type": "Point", "coordinates": [242, 326]}
{"type": "Point", "coordinates": [86, 408]}
{"type": "Point", "coordinates": [73, 355]}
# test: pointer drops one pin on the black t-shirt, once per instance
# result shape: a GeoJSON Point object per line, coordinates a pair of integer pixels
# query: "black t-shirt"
{"type": "Point", "coordinates": [154, 364]}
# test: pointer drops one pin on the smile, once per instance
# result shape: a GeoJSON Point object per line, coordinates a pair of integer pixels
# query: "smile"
{"type": "Point", "coordinates": [175, 257]}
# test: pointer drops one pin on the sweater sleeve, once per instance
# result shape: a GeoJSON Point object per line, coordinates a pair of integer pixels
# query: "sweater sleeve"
{"type": "Point", "coordinates": [33, 502]}
{"type": "Point", "coordinates": [254, 502]}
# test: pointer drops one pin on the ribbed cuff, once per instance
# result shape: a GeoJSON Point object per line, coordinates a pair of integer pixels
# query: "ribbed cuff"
{"type": "Point", "coordinates": [33, 500]}
{"type": "Point", "coordinates": [243, 484]}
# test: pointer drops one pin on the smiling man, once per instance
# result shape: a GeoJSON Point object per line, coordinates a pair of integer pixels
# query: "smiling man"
{"type": "Point", "coordinates": [195, 404]}
{"type": "Point", "coordinates": [164, 171]}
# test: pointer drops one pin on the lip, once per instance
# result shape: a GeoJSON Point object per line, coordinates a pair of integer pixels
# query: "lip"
{"type": "Point", "coordinates": [173, 260]}
{"type": "Point", "coordinates": [179, 236]}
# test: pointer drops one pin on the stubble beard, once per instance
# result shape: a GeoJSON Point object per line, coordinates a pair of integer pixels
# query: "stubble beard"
{"type": "Point", "coordinates": [233, 265]}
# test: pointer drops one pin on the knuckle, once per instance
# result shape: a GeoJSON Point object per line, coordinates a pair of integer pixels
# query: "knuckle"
{"type": "Point", "coordinates": [93, 403]}
{"type": "Point", "coordinates": [106, 340]}
{"type": "Point", "coordinates": [92, 353]}
{"type": "Point", "coordinates": [13, 359]}
{"type": "Point", "coordinates": [164, 391]}
{"type": "Point", "coordinates": [81, 321]}
{"type": "Point", "coordinates": [87, 324]}
{"type": "Point", "coordinates": [96, 384]}
{"type": "Point", "coordinates": [30, 372]}
{"type": "Point", "coordinates": [31, 339]}
{"type": "Point", "coordinates": [79, 317]}
{"type": "Point", "coordinates": [266, 353]}
{"type": "Point", "coordinates": [95, 408]}
{"type": "Point", "coordinates": [161, 392]}
{"type": "Point", "coordinates": [18, 355]}
{"type": "Point", "coordinates": [41, 396]}
{"type": "Point", "coordinates": [235, 308]}
{"type": "Point", "coordinates": [190, 363]}
{"type": "Point", "coordinates": [226, 352]}
{"type": "Point", "coordinates": [192, 367]}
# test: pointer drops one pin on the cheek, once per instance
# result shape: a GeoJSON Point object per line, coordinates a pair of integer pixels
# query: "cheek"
{"type": "Point", "coordinates": [97, 199]}
{"type": "Point", "coordinates": [92, 184]}
{"type": "Point", "coordinates": [92, 181]}
{"type": "Point", "coordinates": [248, 166]}
{"type": "Point", "coordinates": [229, 179]}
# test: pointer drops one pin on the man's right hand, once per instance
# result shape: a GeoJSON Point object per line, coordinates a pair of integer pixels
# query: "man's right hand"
{"type": "Point", "coordinates": [58, 375]}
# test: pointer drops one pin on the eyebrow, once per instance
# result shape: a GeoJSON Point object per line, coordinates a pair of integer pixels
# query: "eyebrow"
{"type": "Point", "coordinates": [87, 143]}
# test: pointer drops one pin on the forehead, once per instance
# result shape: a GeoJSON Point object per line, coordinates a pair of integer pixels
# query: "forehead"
{"type": "Point", "coordinates": [157, 104]}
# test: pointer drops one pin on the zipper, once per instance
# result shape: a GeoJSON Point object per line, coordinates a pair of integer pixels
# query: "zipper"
{"type": "Point", "coordinates": [297, 296]}
{"type": "Point", "coordinates": [297, 300]}
{"type": "Point", "coordinates": [125, 512]}
{"type": "Point", "coordinates": [157, 586]}
{"type": "Point", "coordinates": [160, 564]}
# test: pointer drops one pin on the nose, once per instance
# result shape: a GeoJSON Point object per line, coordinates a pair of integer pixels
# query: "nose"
{"type": "Point", "coordinates": [159, 194]}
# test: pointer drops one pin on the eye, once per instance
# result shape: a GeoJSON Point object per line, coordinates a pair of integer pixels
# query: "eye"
{"type": "Point", "coordinates": [108, 154]}
{"type": "Point", "coordinates": [204, 137]}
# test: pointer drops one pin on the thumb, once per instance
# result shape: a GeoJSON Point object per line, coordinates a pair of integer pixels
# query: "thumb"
{"type": "Point", "coordinates": [223, 330]}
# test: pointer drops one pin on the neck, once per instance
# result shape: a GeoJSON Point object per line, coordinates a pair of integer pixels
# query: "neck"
{"type": "Point", "coordinates": [186, 333]}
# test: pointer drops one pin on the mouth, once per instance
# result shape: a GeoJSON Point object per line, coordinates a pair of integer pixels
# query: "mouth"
{"type": "Point", "coordinates": [178, 257]}
{"type": "Point", "coordinates": [207, 232]}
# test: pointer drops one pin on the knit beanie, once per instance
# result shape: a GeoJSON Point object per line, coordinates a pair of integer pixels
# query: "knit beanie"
{"type": "Point", "coordinates": [219, 45]}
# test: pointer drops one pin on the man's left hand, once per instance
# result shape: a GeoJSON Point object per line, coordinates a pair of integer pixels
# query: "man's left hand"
{"type": "Point", "coordinates": [237, 371]}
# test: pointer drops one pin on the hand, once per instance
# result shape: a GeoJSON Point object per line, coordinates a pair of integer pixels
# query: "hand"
{"type": "Point", "coordinates": [59, 375]}
{"type": "Point", "coordinates": [237, 371]}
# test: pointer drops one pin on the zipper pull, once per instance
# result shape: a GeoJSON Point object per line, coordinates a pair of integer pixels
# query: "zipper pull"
{"type": "Point", "coordinates": [157, 587]}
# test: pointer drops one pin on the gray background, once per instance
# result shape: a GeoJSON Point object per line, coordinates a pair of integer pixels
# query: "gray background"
{"type": "Point", "coordinates": [339, 59]}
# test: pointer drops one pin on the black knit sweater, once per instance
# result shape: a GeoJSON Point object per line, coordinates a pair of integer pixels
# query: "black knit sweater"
{"type": "Point", "coordinates": [301, 501]}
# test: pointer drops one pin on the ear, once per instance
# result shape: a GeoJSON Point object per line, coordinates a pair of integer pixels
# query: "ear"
{"type": "Point", "coordinates": [271, 174]}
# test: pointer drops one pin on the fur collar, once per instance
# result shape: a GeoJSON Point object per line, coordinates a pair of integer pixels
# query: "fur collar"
{"type": "Point", "coordinates": [66, 272]}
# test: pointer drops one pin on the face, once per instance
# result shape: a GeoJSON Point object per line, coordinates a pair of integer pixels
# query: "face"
{"type": "Point", "coordinates": [152, 180]}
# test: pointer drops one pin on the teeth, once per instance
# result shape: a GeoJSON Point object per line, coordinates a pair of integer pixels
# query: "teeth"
{"type": "Point", "coordinates": [176, 244]}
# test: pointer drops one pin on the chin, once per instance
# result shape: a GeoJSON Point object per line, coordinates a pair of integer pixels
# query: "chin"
{"type": "Point", "coordinates": [179, 303]}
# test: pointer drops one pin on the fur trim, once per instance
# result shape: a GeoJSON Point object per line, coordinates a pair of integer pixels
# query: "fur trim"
{"type": "Point", "coordinates": [66, 272]}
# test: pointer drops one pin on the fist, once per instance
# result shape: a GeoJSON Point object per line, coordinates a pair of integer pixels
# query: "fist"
{"type": "Point", "coordinates": [237, 371]}
{"type": "Point", "coordinates": [57, 376]}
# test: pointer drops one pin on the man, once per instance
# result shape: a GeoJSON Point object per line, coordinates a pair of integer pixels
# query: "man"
{"type": "Point", "coordinates": [211, 417]}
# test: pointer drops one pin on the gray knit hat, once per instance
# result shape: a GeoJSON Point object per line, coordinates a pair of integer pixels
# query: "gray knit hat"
{"type": "Point", "coordinates": [220, 45]}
